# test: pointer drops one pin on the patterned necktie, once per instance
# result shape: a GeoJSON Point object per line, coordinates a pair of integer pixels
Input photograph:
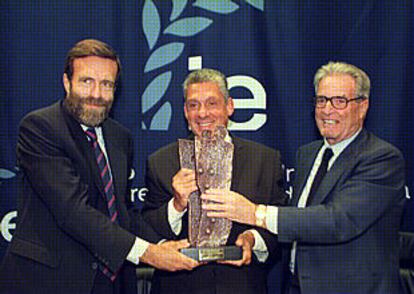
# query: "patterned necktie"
{"type": "Point", "coordinates": [108, 187]}
{"type": "Point", "coordinates": [323, 168]}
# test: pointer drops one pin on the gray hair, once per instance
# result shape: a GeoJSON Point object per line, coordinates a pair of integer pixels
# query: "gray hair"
{"type": "Point", "coordinates": [363, 84]}
{"type": "Point", "coordinates": [207, 75]}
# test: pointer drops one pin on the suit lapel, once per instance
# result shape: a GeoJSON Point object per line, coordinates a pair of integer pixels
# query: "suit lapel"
{"type": "Point", "coordinates": [345, 160]}
{"type": "Point", "coordinates": [238, 162]}
{"type": "Point", "coordinates": [307, 158]}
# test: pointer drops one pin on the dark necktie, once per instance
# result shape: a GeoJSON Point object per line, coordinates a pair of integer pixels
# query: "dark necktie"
{"type": "Point", "coordinates": [107, 184]}
{"type": "Point", "coordinates": [323, 168]}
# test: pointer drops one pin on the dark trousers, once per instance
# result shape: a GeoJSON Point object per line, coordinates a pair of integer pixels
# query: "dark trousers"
{"type": "Point", "coordinates": [293, 286]}
{"type": "Point", "coordinates": [103, 285]}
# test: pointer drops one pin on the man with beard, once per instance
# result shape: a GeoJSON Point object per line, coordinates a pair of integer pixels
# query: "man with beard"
{"type": "Point", "coordinates": [72, 235]}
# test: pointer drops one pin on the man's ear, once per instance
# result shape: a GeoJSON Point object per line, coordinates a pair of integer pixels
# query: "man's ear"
{"type": "Point", "coordinates": [364, 106]}
{"type": "Point", "coordinates": [230, 106]}
{"type": "Point", "coordinates": [66, 83]}
{"type": "Point", "coordinates": [185, 112]}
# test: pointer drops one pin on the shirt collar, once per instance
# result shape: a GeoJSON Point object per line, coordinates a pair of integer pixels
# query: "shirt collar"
{"type": "Point", "coordinates": [339, 147]}
{"type": "Point", "coordinates": [98, 130]}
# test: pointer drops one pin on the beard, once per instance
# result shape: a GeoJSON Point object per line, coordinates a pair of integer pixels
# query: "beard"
{"type": "Point", "coordinates": [77, 106]}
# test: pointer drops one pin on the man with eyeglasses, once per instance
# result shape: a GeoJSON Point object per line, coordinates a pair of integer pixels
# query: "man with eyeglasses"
{"type": "Point", "coordinates": [344, 216]}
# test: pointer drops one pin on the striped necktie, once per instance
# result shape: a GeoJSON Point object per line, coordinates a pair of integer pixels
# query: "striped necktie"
{"type": "Point", "coordinates": [108, 187]}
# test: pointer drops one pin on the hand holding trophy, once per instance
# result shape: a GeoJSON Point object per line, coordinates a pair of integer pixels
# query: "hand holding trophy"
{"type": "Point", "coordinates": [210, 156]}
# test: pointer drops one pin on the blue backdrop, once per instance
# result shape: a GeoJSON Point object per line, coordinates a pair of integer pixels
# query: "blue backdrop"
{"type": "Point", "coordinates": [268, 49]}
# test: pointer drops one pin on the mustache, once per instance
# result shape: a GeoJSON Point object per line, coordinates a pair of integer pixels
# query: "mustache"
{"type": "Point", "coordinates": [95, 101]}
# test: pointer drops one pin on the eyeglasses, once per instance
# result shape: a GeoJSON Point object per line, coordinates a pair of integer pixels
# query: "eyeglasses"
{"type": "Point", "coordinates": [338, 102]}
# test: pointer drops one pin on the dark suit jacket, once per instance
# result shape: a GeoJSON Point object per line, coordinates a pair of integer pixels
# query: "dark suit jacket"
{"type": "Point", "coordinates": [63, 230]}
{"type": "Point", "coordinates": [348, 236]}
{"type": "Point", "coordinates": [257, 174]}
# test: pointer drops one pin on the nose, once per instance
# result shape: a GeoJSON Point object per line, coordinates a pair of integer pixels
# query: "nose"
{"type": "Point", "coordinates": [203, 111]}
{"type": "Point", "coordinates": [328, 107]}
{"type": "Point", "coordinates": [96, 91]}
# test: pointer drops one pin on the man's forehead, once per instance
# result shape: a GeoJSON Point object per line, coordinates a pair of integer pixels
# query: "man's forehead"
{"type": "Point", "coordinates": [205, 89]}
{"type": "Point", "coordinates": [203, 97]}
{"type": "Point", "coordinates": [337, 82]}
{"type": "Point", "coordinates": [95, 65]}
{"type": "Point", "coordinates": [94, 61]}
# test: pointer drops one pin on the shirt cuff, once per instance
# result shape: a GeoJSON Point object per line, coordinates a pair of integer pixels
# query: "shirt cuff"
{"type": "Point", "coordinates": [174, 217]}
{"type": "Point", "coordinates": [137, 250]}
{"type": "Point", "coordinates": [259, 248]}
{"type": "Point", "coordinates": [271, 218]}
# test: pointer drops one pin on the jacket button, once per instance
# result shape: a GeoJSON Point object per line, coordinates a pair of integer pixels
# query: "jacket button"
{"type": "Point", "coordinates": [94, 265]}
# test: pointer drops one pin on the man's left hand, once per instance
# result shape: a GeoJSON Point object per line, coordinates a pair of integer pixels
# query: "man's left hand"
{"type": "Point", "coordinates": [246, 242]}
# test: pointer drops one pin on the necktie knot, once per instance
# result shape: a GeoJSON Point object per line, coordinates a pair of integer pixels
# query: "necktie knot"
{"type": "Point", "coordinates": [90, 132]}
{"type": "Point", "coordinates": [327, 155]}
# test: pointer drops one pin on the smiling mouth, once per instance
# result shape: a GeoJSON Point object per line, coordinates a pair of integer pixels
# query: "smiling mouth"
{"type": "Point", "coordinates": [329, 122]}
{"type": "Point", "coordinates": [205, 124]}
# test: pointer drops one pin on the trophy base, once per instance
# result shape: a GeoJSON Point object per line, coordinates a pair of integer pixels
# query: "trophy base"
{"type": "Point", "coordinates": [214, 253]}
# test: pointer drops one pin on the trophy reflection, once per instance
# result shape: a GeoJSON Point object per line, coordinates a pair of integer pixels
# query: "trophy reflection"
{"type": "Point", "coordinates": [211, 158]}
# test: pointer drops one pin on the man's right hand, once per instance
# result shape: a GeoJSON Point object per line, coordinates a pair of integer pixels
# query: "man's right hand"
{"type": "Point", "coordinates": [183, 183]}
{"type": "Point", "coordinates": [166, 256]}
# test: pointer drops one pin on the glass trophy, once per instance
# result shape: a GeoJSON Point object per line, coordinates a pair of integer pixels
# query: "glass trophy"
{"type": "Point", "coordinates": [211, 157]}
